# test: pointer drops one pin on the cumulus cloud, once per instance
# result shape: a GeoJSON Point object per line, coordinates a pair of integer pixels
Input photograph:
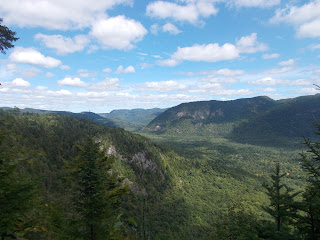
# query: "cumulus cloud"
{"type": "Point", "coordinates": [305, 18]}
{"type": "Point", "coordinates": [213, 52]}
{"type": "Point", "coordinates": [64, 45]}
{"type": "Point", "coordinates": [73, 82]}
{"type": "Point", "coordinates": [164, 86]}
{"type": "Point", "coordinates": [249, 44]}
{"type": "Point", "coordinates": [271, 56]}
{"type": "Point", "coordinates": [33, 57]}
{"type": "Point", "coordinates": [118, 32]}
{"type": "Point", "coordinates": [190, 12]}
{"type": "Point", "coordinates": [121, 69]}
{"type": "Point", "coordinates": [19, 82]}
{"type": "Point", "coordinates": [209, 53]}
{"type": "Point", "coordinates": [170, 28]}
{"type": "Point", "coordinates": [57, 14]}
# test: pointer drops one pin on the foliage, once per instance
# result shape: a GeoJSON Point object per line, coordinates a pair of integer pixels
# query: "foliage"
{"type": "Point", "coordinates": [282, 207]}
{"type": "Point", "coordinates": [7, 37]}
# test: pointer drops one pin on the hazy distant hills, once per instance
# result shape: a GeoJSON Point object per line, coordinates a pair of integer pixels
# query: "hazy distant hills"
{"type": "Point", "coordinates": [131, 120]}
{"type": "Point", "coordinates": [139, 117]}
{"type": "Point", "coordinates": [242, 120]}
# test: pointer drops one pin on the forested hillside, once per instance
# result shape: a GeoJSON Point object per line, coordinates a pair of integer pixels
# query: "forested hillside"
{"type": "Point", "coordinates": [258, 120]}
{"type": "Point", "coordinates": [138, 117]}
{"type": "Point", "coordinates": [69, 178]}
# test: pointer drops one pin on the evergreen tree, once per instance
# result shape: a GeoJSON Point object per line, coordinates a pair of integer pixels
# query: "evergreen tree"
{"type": "Point", "coordinates": [282, 208]}
{"type": "Point", "coordinates": [309, 222]}
{"type": "Point", "coordinates": [96, 193]}
{"type": "Point", "coordinates": [17, 189]}
{"type": "Point", "coordinates": [7, 37]}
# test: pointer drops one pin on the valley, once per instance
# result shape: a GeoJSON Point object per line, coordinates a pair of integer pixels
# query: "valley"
{"type": "Point", "coordinates": [195, 170]}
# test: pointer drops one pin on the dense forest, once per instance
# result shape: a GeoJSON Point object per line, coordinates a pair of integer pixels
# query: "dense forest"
{"type": "Point", "coordinates": [69, 178]}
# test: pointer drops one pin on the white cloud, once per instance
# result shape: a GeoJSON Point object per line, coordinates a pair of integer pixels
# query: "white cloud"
{"type": "Point", "coordinates": [33, 57]}
{"type": "Point", "coordinates": [278, 70]}
{"type": "Point", "coordinates": [11, 67]}
{"type": "Point", "coordinates": [107, 70]}
{"type": "Point", "coordinates": [308, 91]}
{"type": "Point", "coordinates": [289, 62]}
{"type": "Point", "coordinates": [268, 81]}
{"type": "Point", "coordinates": [30, 72]}
{"type": "Point", "coordinates": [61, 92]}
{"type": "Point", "coordinates": [268, 89]}
{"type": "Point", "coordinates": [305, 18]}
{"type": "Point", "coordinates": [109, 84]}
{"type": "Point", "coordinates": [210, 53]}
{"type": "Point", "coordinates": [64, 45]}
{"type": "Point", "coordinates": [73, 82]}
{"type": "Point", "coordinates": [213, 52]}
{"type": "Point", "coordinates": [164, 86]}
{"type": "Point", "coordinates": [65, 67]}
{"type": "Point", "coordinates": [255, 3]}
{"type": "Point", "coordinates": [118, 32]}
{"type": "Point", "coordinates": [19, 82]}
{"type": "Point", "coordinates": [300, 82]}
{"type": "Point", "coordinates": [169, 62]}
{"type": "Point", "coordinates": [212, 79]}
{"type": "Point", "coordinates": [84, 73]}
{"type": "Point", "coordinates": [57, 14]}
{"type": "Point", "coordinates": [314, 46]}
{"type": "Point", "coordinates": [49, 75]}
{"type": "Point", "coordinates": [223, 72]}
{"type": "Point", "coordinates": [190, 12]}
{"type": "Point", "coordinates": [170, 28]}
{"type": "Point", "coordinates": [249, 44]}
{"type": "Point", "coordinates": [129, 69]}
{"type": "Point", "coordinates": [271, 56]}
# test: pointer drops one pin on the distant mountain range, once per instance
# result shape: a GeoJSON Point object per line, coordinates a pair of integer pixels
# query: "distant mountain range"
{"type": "Point", "coordinates": [137, 117]}
{"type": "Point", "coordinates": [243, 120]}
{"type": "Point", "coordinates": [131, 120]}
{"type": "Point", "coordinates": [248, 120]}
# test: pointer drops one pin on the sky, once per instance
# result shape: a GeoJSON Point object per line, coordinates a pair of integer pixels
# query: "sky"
{"type": "Point", "coordinates": [101, 55]}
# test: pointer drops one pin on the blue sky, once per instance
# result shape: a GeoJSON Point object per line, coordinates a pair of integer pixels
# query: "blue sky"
{"type": "Point", "coordinates": [100, 55]}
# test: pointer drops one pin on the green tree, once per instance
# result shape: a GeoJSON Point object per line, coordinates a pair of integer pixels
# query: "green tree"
{"type": "Point", "coordinates": [282, 208]}
{"type": "Point", "coordinates": [7, 37]}
{"type": "Point", "coordinates": [97, 193]}
{"type": "Point", "coordinates": [309, 222]}
{"type": "Point", "coordinates": [17, 189]}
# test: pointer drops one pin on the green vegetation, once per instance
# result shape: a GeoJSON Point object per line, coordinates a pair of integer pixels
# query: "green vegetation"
{"type": "Point", "coordinates": [135, 119]}
{"type": "Point", "coordinates": [69, 178]}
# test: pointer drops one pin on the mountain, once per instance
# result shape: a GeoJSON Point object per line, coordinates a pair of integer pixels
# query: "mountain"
{"type": "Point", "coordinates": [137, 117]}
{"type": "Point", "coordinates": [96, 118]}
{"type": "Point", "coordinates": [170, 196]}
{"type": "Point", "coordinates": [240, 120]}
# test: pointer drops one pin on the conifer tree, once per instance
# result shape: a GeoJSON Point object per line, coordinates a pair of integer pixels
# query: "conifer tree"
{"type": "Point", "coordinates": [282, 207]}
{"type": "Point", "coordinates": [7, 37]}
{"type": "Point", "coordinates": [309, 222]}
{"type": "Point", "coordinates": [96, 194]}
